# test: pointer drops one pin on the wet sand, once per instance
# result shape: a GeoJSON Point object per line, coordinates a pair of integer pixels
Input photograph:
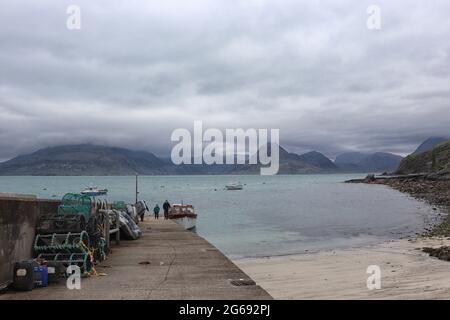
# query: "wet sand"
{"type": "Point", "coordinates": [406, 272]}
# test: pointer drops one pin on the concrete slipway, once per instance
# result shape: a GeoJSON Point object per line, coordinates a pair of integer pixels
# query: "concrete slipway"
{"type": "Point", "coordinates": [166, 263]}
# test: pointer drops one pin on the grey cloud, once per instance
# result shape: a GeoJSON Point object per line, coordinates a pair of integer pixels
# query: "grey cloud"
{"type": "Point", "coordinates": [445, 94]}
{"type": "Point", "coordinates": [138, 69]}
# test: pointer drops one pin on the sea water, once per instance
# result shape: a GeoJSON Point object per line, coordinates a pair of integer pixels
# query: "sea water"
{"type": "Point", "coordinates": [272, 215]}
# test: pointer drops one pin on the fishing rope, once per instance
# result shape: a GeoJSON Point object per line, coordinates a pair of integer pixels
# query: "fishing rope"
{"type": "Point", "coordinates": [90, 253]}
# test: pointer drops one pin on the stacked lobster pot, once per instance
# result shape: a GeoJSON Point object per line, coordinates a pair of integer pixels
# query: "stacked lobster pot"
{"type": "Point", "coordinates": [65, 249]}
{"type": "Point", "coordinates": [72, 236]}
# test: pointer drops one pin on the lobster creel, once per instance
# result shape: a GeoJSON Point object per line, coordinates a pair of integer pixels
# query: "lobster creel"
{"type": "Point", "coordinates": [62, 243]}
{"type": "Point", "coordinates": [82, 260]}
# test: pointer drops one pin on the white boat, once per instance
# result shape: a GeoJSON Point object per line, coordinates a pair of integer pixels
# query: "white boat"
{"type": "Point", "coordinates": [94, 191]}
{"type": "Point", "coordinates": [234, 186]}
{"type": "Point", "coordinates": [184, 215]}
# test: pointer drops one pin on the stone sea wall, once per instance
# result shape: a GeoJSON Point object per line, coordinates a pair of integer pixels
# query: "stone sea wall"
{"type": "Point", "coordinates": [18, 217]}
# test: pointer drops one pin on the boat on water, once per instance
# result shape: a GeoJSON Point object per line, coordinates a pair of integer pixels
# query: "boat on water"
{"type": "Point", "coordinates": [94, 191]}
{"type": "Point", "coordinates": [234, 186]}
{"type": "Point", "coordinates": [184, 215]}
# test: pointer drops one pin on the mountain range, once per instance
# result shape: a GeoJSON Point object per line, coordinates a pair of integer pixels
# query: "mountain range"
{"type": "Point", "coordinates": [87, 159]}
{"type": "Point", "coordinates": [375, 162]}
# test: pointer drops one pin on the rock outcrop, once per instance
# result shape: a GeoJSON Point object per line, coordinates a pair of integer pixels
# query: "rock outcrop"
{"type": "Point", "coordinates": [435, 162]}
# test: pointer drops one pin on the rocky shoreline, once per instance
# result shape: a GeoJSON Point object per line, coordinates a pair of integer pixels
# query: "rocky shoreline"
{"type": "Point", "coordinates": [434, 192]}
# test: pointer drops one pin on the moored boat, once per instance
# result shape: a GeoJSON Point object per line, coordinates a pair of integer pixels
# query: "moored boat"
{"type": "Point", "coordinates": [184, 215]}
{"type": "Point", "coordinates": [94, 191]}
{"type": "Point", "coordinates": [234, 186]}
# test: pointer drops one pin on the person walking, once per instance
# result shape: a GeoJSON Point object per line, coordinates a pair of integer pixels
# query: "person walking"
{"type": "Point", "coordinates": [166, 207]}
{"type": "Point", "coordinates": [156, 211]}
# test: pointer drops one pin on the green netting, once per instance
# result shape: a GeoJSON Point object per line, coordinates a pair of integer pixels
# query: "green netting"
{"type": "Point", "coordinates": [83, 260]}
{"type": "Point", "coordinates": [70, 242]}
{"type": "Point", "coordinates": [73, 203]}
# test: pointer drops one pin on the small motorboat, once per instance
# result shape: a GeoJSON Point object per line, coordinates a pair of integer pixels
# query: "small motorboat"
{"type": "Point", "coordinates": [184, 215]}
{"type": "Point", "coordinates": [234, 186]}
{"type": "Point", "coordinates": [94, 191]}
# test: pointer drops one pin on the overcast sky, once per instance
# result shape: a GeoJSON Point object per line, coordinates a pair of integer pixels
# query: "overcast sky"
{"type": "Point", "coordinates": [136, 70]}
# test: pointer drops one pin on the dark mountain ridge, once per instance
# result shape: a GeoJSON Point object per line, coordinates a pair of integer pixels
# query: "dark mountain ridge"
{"type": "Point", "coordinates": [318, 160]}
{"type": "Point", "coordinates": [84, 159]}
{"type": "Point", "coordinates": [428, 144]}
{"type": "Point", "coordinates": [87, 159]}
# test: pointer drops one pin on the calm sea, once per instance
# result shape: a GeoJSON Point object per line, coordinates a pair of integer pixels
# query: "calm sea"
{"type": "Point", "coordinates": [272, 215]}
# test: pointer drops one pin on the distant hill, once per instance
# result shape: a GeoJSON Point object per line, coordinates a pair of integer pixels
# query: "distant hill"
{"type": "Point", "coordinates": [290, 163]}
{"type": "Point", "coordinates": [375, 162]}
{"type": "Point", "coordinates": [318, 160]}
{"type": "Point", "coordinates": [380, 161]}
{"type": "Point", "coordinates": [84, 159]}
{"type": "Point", "coordinates": [436, 160]}
{"type": "Point", "coordinates": [428, 145]}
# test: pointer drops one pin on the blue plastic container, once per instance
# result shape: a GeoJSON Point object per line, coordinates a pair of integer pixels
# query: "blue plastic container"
{"type": "Point", "coordinates": [40, 276]}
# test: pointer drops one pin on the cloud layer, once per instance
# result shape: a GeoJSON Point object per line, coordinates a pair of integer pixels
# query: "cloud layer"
{"type": "Point", "coordinates": [139, 69]}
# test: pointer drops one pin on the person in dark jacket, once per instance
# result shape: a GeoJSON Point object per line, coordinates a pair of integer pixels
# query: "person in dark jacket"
{"type": "Point", "coordinates": [166, 207]}
{"type": "Point", "coordinates": [156, 211]}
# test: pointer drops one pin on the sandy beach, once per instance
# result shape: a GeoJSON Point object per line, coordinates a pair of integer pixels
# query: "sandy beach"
{"type": "Point", "coordinates": [406, 272]}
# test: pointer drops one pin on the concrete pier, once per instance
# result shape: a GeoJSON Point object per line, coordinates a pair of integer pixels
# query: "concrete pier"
{"type": "Point", "coordinates": [166, 263]}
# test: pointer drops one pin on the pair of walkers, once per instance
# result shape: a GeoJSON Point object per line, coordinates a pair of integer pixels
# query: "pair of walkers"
{"type": "Point", "coordinates": [166, 207]}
